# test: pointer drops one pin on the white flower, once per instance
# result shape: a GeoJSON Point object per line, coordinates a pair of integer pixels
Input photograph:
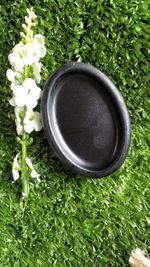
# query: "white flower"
{"type": "Point", "coordinates": [13, 77]}
{"type": "Point", "coordinates": [40, 49]}
{"type": "Point", "coordinates": [34, 173]}
{"type": "Point", "coordinates": [28, 20]}
{"type": "Point", "coordinates": [22, 55]}
{"type": "Point", "coordinates": [32, 121]}
{"type": "Point", "coordinates": [15, 168]}
{"type": "Point", "coordinates": [25, 91]}
{"type": "Point", "coordinates": [24, 26]}
{"type": "Point", "coordinates": [22, 34]}
{"type": "Point", "coordinates": [16, 57]}
{"type": "Point", "coordinates": [39, 38]}
{"type": "Point", "coordinates": [29, 53]}
{"type": "Point", "coordinates": [36, 119]}
{"type": "Point", "coordinates": [26, 94]}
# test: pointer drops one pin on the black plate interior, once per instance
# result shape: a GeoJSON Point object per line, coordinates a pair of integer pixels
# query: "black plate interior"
{"type": "Point", "coordinates": [85, 125]}
{"type": "Point", "coordinates": [87, 121]}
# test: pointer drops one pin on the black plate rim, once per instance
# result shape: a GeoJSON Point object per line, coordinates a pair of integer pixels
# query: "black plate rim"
{"type": "Point", "coordinates": [112, 89]}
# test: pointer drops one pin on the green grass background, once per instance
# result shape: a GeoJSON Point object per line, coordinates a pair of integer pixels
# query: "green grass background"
{"type": "Point", "coordinates": [69, 220]}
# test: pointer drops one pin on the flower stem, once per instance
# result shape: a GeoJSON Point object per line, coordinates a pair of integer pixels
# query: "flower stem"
{"type": "Point", "coordinates": [24, 168]}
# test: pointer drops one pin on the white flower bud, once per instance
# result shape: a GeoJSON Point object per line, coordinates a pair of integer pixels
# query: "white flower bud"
{"type": "Point", "coordinates": [22, 34]}
{"type": "Point", "coordinates": [24, 26]}
{"type": "Point", "coordinates": [27, 20]}
{"type": "Point", "coordinates": [32, 121]}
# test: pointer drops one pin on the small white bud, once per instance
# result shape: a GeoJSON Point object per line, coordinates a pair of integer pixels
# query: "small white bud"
{"type": "Point", "coordinates": [22, 34]}
{"type": "Point", "coordinates": [24, 26]}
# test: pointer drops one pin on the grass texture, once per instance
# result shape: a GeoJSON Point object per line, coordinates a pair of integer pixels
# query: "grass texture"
{"type": "Point", "coordinates": [69, 220]}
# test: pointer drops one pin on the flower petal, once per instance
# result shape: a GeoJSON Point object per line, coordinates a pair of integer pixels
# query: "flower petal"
{"type": "Point", "coordinates": [36, 71]}
{"type": "Point", "coordinates": [29, 127]}
{"type": "Point", "coordinates": [14, 84]}
{"type": "Point", "coordinates": [29, 54]}
{"type": "Point", "coordinates": [18, 47]}
{"type": "Point", "coordinates": [12, 102]}
{"type": "Point", "coordinates": [37, 121]}
{"type": "Point", "coordinates": [15, 168]}
{"type": "Point", "coordinates": [18, 127]}
{"type": "Point", "coordinates": [16, 175]}
{"type": "Point", "coordinates": [18, 120]}
{"type": "Point", "coordinates": [10, 75]}
{"type": "Point", "coordinates": [17, 90]}
{"type": "Point", "coordinates": [29, 163]}
{"type": "Point", "coordinates": [39, 39]}
{"type": "Point", "coordinates": [43, 51]}
{"type": "Point", "coordinates": [29, 83]}
{"type": "Point", "coordinates": [34, 174]}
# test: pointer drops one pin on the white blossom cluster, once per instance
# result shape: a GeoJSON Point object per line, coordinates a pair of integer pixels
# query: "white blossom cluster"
{"type": "Point", "coordinates": [24, 76]}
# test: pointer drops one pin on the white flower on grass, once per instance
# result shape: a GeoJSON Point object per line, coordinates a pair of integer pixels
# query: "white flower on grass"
{"type": "Point", "coordinates": [24, 76]}
{"type": "Point", "coordinates": [38, 42]}
{"type": "Point", "coordinates": [17, 99]}
{"type": "Point", "coordinates": [34, 173]}
{"type": "Point", "coordinates": [39, 38]}
{"type": "Point", "coordinates": [16, 168]}
{"type": "Point", "coordinates": [22, 55]}
{"type": "Point", "coordinates": [27, 54]}
{"type": "Point", "coordinates": [26, 94]}
{"type": "Point", "coordinates": [16, 57]}
{"type": "Point", "coordinates": [28, 20]}
{"type": "Point", "coordinates": [32, 121]}
{"type": "Point", "coordinates": [14, 77]}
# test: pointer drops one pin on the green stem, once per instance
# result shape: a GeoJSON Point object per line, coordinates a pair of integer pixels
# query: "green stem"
{"type": "Point", "coordinates": [24, 168]}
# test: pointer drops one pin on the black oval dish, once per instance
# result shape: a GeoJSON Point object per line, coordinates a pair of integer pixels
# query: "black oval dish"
{"type": "Point", "coordinates": [85, 120]}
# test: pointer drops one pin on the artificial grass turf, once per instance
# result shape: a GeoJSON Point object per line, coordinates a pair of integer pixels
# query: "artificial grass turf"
{"type": "Point", "coordinates": [69, 220]}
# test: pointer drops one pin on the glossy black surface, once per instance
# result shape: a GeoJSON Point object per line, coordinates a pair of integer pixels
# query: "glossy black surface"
{"type": "Point", "coordinates": [86, 120]}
